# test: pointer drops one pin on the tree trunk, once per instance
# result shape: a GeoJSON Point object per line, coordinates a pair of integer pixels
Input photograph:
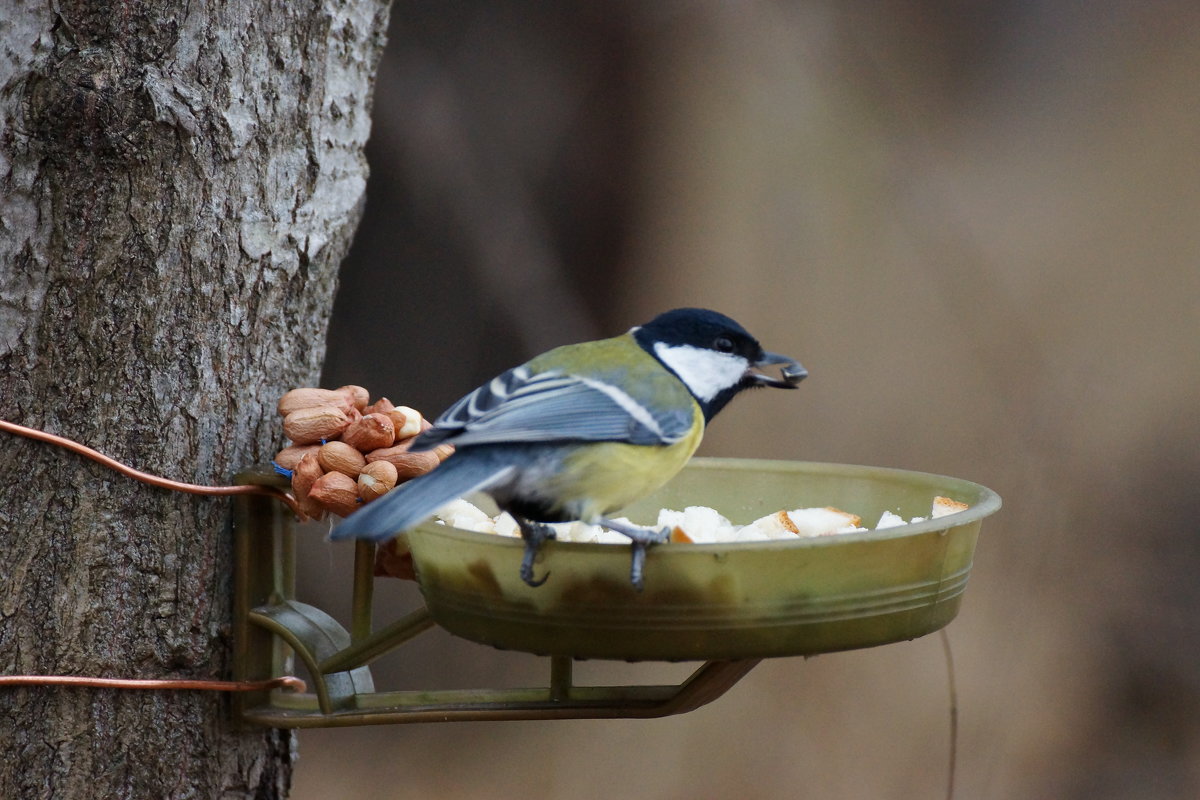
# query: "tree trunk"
{"type": "Point", "coordinates": [178, 183]}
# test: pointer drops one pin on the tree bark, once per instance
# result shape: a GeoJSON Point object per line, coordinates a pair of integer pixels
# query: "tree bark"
{"type": "Point", "coordinates": [178, 183]}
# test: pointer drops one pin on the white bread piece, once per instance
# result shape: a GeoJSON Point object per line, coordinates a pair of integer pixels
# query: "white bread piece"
{"type": "Point", "coordinates": [605, 536]}
{"type": "Point", "coordinates": [461, 514]}
{"type": "Point", "coordinates": [943, 506]}
{"type": "Point", "coordinates": [571, 531]}
{"type": "Point", "coordinates": [800, 522]}
{"type": "Point", "coordinates": [773, 526]}
{"type": "Point", "coordinates": [823, 521]}
{"type": "Point", "coordinates": [582, 532]}
{"type": "Point", "coordinates": [507, 526]}
{"type": "Point", "coordinates": [698, 523]}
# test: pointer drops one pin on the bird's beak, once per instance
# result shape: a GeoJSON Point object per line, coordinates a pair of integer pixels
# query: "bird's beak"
{"type": "Point", "coordinates": [792, 371]}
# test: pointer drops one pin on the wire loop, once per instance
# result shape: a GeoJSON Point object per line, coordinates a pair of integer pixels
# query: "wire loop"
{"type": "Point", "coordinates": [146, 477]}
{"type": "Point", "coordinates": [286, 682]}
{"type": "Point", "coordinates": [289, 682]}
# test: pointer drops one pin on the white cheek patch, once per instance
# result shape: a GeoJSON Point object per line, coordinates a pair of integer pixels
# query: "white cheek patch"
{"type": "Point", "coordinates": [706, 373]}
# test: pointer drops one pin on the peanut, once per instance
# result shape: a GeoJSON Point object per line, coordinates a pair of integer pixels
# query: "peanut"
{"type": "Point", "coordinates": [297, 399]}
{"type": "Point", "coordinates": [376, 479]}
{"type": "Point", "coordinates": [357, 395]}
{"type": "Point", "coordinates": [305, 474]}
{"type": "Point", "coordinates": [341, 457]}
{"type": "Point", "coordinates": [336, 492]}
{"type": "Point", "coordinates": [408, 421]}
{"type": "Point", "coordinates": [393, 560]}
{"type": "Point", "coordinates": [289, 457]}
{"type": "Point", "coordinates": [408, 465]}
{"type": "Point", "coordinates": [370, 433]}
{"type": "Point", "coordinates": [309, 425]}
{"type": "Point", "coordinates": [380, 406]}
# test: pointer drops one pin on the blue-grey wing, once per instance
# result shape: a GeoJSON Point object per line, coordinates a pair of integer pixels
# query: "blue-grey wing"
{"type": "Point", "coordinates": [522, 406]}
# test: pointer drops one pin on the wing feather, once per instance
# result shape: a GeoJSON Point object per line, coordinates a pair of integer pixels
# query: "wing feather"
{"type": "Point", "coordinates": [523, 406]}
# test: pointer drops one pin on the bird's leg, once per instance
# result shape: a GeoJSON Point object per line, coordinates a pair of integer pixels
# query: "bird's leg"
{"type": "Point", "coordinates": [637, 564]}
{"type": "Point", "coordinates": [641, 538]}
{"type": "Point", "coordinates": [534, 534]}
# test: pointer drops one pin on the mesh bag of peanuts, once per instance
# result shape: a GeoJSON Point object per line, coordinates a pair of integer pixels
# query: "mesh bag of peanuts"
{"type": "Point", "coordinates": [346, 450]}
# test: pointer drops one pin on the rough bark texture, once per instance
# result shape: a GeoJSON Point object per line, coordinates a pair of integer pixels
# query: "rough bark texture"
{"type": "Point", "coordinates": [178, 183]}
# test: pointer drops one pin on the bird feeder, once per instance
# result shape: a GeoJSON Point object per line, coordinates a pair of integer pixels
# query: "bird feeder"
{"type": "Point", "coordinates": [725, 605]}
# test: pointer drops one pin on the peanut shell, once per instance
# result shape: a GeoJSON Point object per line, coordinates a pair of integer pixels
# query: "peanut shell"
{"type": "Point", "coordinates": [380, 406]}
{"type": "Point", "coordinates": [408, 465]}
{"type": "Point", "coordinates": [370, 433]}
{"type": "Point", "coordinates": [376, 479]}
{"type": "Point", "coordinates": [297, 399]}
{"type": "Point", "coordinates": [336, 492]}
{"type": "Point", "coordinates": [316, 424]}
{"type": "Point", "coordinates": [289, 457]}
{"type": "Point", "coordinates": [358, 396]}
{"type": "Point", "coordinates": [393, 560]}
{"type": "Point", "coordinates": [341, 457]}
{"type": "Point", "coordinates": [306, 473]}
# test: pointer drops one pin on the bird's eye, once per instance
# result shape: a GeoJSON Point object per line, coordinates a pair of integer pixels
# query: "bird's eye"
{"type": "Point", "coordinates": [723, 344]}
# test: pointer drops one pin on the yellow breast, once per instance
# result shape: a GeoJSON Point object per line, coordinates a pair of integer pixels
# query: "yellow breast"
{"type": "Point", "coordinates": [618, 474]}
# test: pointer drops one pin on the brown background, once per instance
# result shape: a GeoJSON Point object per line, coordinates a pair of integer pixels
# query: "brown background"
{"type": "Point", "coordinates": [977, 226]}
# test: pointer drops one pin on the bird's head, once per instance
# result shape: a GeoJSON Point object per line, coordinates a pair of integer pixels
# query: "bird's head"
{"type": "Point", "coordinates": [713, 355]}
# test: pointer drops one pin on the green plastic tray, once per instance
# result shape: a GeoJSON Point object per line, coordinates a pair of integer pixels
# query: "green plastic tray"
{"type": "Point", "coordinates": [721, 601]}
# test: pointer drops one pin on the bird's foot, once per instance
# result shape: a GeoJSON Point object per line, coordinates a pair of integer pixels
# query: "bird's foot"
{"type": "Point", "coordinates": [640, 539]}
{"type": "Point", "coordinates": [534, 534]}
{"type": "Point", "coordinates": [636, 533]}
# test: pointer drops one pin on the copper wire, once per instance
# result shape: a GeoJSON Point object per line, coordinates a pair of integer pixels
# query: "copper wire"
{"type": "Point", "coordinates": [145, 477]}
{"type": "Point", "coordinates": [286, 682]}
{"type": "Point", "coordinates": [289, 682]}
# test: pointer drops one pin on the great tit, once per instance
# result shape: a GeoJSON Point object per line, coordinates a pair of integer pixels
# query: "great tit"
{"type": "Point", "coordinates": [583, 430]}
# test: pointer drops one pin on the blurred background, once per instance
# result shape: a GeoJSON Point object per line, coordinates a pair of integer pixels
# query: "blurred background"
{"type": "Point", "coordinates": [977, 224]}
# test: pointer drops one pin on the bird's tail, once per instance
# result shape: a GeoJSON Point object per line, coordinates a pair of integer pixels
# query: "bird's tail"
{"type": "Point", "coordinates": [411, 503]}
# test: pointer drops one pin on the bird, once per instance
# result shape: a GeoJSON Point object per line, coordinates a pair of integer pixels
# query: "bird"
{"type": "Point", "coordinates": [583, 430]}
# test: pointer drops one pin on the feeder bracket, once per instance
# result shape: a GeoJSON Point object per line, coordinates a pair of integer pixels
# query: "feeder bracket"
{"type": "Point", "coordinates": [273, 627]}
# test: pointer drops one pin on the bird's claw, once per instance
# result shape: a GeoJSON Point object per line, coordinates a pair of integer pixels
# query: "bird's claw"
{"type": "Point", "coordinates": [640, 539]}
{"type": "Point", "coordinates": [534, 534]}
{"type": "Point", "coordinates": [531, 551]}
